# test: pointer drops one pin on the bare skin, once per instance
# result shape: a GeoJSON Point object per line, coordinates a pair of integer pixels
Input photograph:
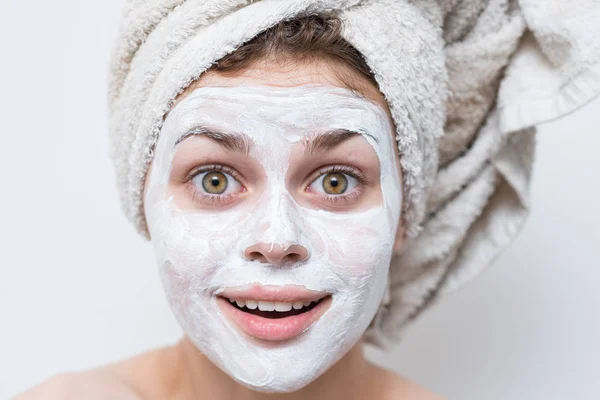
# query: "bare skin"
{"type": "Point", "coordinates": [182, 372]}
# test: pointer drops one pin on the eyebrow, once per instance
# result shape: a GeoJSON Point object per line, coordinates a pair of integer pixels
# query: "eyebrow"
{"type": "Point", "coordinates": [231, 141]}
{"type": "Point", "coordinates": [241, 143]}
{"type": "Point", "coordinates": [329, 140]}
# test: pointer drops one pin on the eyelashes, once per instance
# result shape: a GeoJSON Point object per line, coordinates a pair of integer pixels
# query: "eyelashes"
{"type": "Point", "coordinates": [338, 185]}
{"type": "Point", "coordinates": [214, 184]}
{"type": "Point", "coordinates": [217, 185]}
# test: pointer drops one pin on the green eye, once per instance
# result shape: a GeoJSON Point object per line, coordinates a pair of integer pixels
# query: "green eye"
{"type": "Point", "coordinates": [214, 182]}
{"type": "Point", "coordinates": [335, 183]}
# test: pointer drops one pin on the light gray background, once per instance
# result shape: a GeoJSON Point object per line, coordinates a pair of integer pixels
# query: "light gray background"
{"type": "Point", "coordinates": [78, 288]}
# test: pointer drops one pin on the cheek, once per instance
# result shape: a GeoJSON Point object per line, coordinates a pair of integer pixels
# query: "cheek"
{"type": "Point", "coordinates": [357, 245]}
{"type": "Point", "coordinates": [186, 249]}
{"type": "Point", "coordinates": [177, 286]}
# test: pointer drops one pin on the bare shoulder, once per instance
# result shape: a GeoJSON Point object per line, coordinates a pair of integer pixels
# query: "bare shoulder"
{"type": "Point", "coordinates": [394, 386]}
{"type": "Point", "coordinates": [403, 388]}
{"type": "Point", "coordinates": [142, 377]}
{"type": "Point", "coordinates": [90, 385]}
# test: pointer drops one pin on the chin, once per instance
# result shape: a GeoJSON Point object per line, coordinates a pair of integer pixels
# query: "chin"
{"type": "Point", "coordinates": [276, 366]}
{"type": "Point", "coordinates": [284, 384]}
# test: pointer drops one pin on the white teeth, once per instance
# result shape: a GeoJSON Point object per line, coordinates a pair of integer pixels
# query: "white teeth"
{"type": "Point", "coordinates": [297, 305]}
{"type": "Point", "coordinates": [251, 304]}
{"type": "Point", "coordinates": [272, 305]}
{"type": "Point", "coordinates": [266, 306]}
{"type": "Point", "coordinates": [283, 307]}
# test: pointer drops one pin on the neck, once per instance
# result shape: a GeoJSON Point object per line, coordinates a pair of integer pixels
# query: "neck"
{"type": "Point", "coordinates": [199, 378]}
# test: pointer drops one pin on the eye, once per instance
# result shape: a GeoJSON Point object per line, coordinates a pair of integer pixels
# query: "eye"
{"type": "Point", "coordinates": [334, 182]}
{"type": "Point", "coordinates": [214, 181]}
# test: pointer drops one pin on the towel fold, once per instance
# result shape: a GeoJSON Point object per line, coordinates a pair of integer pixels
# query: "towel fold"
{"type": "Point", "coordinates": [466, 82]}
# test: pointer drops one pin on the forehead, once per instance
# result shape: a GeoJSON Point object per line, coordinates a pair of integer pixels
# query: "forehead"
{"type": "Point", "coordinates": [264, 112]}
{"type": "Point", "coordinates": [288, 74]}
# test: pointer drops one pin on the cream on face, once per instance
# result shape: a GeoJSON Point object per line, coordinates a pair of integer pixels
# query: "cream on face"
{"type": "Point", "coordinates": [204, 252]}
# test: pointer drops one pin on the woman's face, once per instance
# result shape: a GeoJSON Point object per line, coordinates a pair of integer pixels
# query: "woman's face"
{"type": "Point", "coordinates": [273, 202]}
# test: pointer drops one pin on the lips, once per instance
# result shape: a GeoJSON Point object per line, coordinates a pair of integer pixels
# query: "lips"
{"type": "Point", "coordinates": [273, 313]}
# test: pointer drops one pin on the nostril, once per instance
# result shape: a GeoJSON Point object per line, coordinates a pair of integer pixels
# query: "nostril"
{"type": "Point", "coordinates": [256, 256]}
{"type": "Point", "coordinates": [297, 253]}
{"type": "Point", "coordinates": [276, 255]}
{"type": "Point", "coordinates": [291, 258]}
{"type": "Point", "coordinates": [300, 254]}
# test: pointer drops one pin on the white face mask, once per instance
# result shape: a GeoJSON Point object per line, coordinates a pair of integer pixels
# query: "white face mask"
{"type": "Point", "coordinates": [203, 252]}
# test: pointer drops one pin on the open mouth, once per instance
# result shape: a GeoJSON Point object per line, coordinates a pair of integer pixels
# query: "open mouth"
{"type": "Point", "coordinates": [273, 320]}
{"type": "Point", "coordinates": [269, 309]}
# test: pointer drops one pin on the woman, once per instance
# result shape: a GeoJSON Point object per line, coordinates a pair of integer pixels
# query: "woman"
{"type": "Point", "coordinates": [285, 180]}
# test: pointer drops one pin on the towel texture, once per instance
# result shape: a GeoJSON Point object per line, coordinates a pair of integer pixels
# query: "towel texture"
{"type": "Point", "coordinates": [466, 82]}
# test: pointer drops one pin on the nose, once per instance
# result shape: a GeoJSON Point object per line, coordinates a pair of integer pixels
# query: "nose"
{"type": "Point", "coordinates": [276, 254]}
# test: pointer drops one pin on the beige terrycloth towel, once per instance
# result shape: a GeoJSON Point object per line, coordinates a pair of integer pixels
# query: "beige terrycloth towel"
{"type": "Point", "coordinates": [466, 82]}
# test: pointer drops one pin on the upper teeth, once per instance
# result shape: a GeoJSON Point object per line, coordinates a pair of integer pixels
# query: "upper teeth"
{"type": "Point", "coordinates": [271, 305]}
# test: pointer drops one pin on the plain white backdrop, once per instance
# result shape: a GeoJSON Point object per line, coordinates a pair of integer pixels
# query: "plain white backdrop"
{"type": "Point", "coordinates": [78, 288]}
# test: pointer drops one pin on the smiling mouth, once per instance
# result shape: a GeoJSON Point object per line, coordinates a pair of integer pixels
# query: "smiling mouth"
{"type": "Point", "coordinates": [274, 310]}
{"type": "Point", "coordinates": [273, 316]}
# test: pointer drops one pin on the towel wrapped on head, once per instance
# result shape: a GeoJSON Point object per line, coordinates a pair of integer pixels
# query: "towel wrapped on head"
{"type": "Point", "coordinates": [466, 82]}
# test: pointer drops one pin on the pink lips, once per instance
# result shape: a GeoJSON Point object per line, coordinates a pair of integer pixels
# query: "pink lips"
{"type": "Point", "coordinates": [275, 329]}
